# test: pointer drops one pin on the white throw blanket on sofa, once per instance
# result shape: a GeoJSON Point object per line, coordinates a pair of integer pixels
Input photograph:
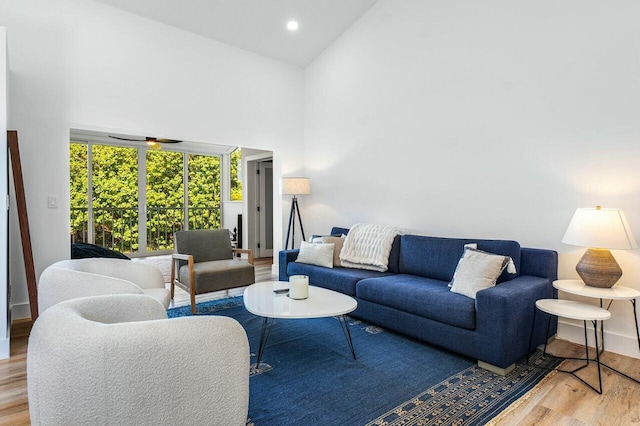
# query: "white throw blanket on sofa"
{"type": "Point", "coordinates": [367, 246]}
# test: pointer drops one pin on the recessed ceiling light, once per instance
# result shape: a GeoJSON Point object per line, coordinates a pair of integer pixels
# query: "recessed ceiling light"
{"type": "Point", "coordinates": [292, 25]}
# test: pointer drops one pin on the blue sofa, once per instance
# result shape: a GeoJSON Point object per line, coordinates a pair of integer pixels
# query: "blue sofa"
{"type": "Point", "coordinates": [413, 297]}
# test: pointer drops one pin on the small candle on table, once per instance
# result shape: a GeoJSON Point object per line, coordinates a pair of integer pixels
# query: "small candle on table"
{"type": "Point", "coordinates": [298, 287]}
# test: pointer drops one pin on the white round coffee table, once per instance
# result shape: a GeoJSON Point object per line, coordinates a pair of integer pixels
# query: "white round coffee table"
{"type": "Point", "coordinates": [264, 300]}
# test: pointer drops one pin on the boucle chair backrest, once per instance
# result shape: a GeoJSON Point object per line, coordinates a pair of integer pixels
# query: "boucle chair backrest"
{"type": "Point", "coordinates": [204, 244]}
{"type": "Point", "coordinates": [116, 359]}
{"type": "Point", "coordinates": [145, 276]}
{"type": "Point", "coordinates": [69, 279]}
{"type": "Point", "coordinates": [59, 284]}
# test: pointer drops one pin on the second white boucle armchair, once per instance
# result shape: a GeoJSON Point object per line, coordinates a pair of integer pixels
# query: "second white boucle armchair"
{"type": "Point", "coordinates": [69, 279]}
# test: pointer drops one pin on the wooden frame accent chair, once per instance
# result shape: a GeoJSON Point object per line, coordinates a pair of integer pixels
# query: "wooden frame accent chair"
{"type": "Point", "coordinates": [204, 262]}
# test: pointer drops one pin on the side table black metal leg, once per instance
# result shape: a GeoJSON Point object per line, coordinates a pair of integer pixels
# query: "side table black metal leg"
{"type": "Point", "coordinates": [586, 346]}
{"type": "Point", "coordinates": [533, 327]}
{"type": "Point", "coordinates": [344, 325]}
{"type": "Point", "coordinates": [595, 333]}
{"type": "Point", "coordinates": [602, 330]}
{"type": "Point", "coordinates": [264, 336]}
{"type": "Point", "coordinates": [635, 317]}
{"type": "Point", "coordinates": [597, 360]}
{"type": "Point", "coordinates": [546, 335]}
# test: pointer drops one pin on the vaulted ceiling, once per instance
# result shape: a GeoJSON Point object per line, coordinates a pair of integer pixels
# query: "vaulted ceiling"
{"type": "Point", "coordinates": [258, 26]}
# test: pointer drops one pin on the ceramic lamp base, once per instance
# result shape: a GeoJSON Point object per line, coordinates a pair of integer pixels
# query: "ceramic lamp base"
{"type": "Point", "coordinates": [598, 268]}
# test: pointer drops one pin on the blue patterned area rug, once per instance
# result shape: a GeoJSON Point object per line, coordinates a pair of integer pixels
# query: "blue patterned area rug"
{"type": "Point", "coordinates": [395, 380]}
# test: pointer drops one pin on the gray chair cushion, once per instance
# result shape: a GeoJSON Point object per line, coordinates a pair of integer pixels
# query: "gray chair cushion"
{"type": "Point", "coordinates": [218, 275]}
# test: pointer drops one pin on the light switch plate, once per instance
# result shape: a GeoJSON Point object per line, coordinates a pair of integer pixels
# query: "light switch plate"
{"type": "Point", "coordinates": [52, 202]}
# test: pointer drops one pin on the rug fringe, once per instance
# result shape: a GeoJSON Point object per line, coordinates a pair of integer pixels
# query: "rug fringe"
{"type": "Point", "coordinates": [516, 404]}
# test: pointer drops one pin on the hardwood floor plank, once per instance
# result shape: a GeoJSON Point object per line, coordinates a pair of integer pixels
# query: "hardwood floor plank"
{"type": "Point", "coordinates": [563, 400]}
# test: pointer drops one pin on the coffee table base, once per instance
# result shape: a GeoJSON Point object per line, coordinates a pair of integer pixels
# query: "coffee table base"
{"type": "Point", "coordinates": [259, 366]}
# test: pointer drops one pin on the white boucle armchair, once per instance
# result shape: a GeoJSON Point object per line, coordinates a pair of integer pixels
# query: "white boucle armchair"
{"type": "Point", "coordinates": [69, 279]}
{"type": "Point", "coordinates": [118, 360]}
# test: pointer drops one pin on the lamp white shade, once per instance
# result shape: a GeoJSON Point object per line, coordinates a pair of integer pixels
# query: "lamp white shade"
{"type": "Point", "coordinates": [295, 186]}
{"type": "Point", "coordinates": [600, 228]}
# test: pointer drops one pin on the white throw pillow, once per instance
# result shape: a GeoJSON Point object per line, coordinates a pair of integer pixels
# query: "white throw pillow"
{"type": "Point", "coordinates": [316, 254]}
{"type": "Point", "coordinates": [476, 271]}
{"type": "Point", "coordinates": [337, 246]}
{"type": "Point", "coordinates": [466, 246]}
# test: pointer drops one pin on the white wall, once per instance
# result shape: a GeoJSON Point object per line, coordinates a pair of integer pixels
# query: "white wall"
{"type": "Point", "coordinates": [492, 119]}
{"type": "Point", "coordinates": [5, 327]}
{"type": "Point", "coordinates": [79, 64]}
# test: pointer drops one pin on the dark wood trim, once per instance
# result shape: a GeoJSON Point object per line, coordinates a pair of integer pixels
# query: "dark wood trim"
{"type": "Point", "coordinates": [23, 218]}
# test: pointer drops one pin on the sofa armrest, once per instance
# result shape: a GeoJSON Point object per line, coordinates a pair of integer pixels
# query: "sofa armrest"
{"type": "Point", "coordinates": [504, 317]}
{"type": "Point", "coordinates": [284, 258]}
{"type": "Point", "coordinates": [539, 263]}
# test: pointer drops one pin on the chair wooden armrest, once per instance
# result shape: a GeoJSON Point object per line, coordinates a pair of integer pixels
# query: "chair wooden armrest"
{"type": "Point", "coordinates": [189, 258]}
{"type": "Point", "coordinates": [178, 256]}
{"type": "Point", "coordinates": [245, 251]}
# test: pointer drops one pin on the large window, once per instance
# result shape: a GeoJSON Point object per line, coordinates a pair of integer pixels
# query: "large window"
{"type": "Point", "coordinates": [134, 199]}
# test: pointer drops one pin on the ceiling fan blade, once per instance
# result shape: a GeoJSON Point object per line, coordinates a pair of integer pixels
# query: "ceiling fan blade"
{"type": "Point", "coordinates": [126, 139]}
{"type": "Point", "coordinates": [163, 140]}
{"type": "Point", "coordinates": [147, 139]}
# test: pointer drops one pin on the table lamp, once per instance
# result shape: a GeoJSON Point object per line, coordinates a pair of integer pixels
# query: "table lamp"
{"type": "Point", "coordinates": [295, 186]}
{"type": "Point", "coordinates": [600, 230]}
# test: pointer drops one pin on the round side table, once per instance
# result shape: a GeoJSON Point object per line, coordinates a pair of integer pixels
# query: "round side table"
{"type": "Point", "coordinates": [617, 292]}
{"type": "Point", "coordinates": [578, 311]}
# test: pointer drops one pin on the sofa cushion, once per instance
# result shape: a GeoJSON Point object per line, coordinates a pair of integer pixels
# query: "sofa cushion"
{"type": "Point", "coordinates": [421, 296]}
{"type": "Point", "coordinates": [437, 258]}
{"type": "Point", "coordinates": [342, 280]}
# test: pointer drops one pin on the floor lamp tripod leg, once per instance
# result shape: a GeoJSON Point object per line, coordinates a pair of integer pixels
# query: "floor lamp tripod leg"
{"type": "Point", "coordinates": [300, 220]}
{"type": "Point", "coordinates": [291, 218]}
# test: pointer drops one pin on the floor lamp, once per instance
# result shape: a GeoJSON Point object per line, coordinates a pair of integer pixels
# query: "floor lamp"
{"type": "Point", "coordinates": [294, 186]}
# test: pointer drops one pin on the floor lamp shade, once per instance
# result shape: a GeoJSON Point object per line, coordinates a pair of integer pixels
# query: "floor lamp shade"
{"type": "Point", "coordinates": [600, 230]}
{"type": "Point", "coordinates": [295, 186]}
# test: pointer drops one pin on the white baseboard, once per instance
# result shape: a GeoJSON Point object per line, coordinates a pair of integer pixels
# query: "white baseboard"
{"type": "Point", "coordinates": [4, 348]}
{"type": "Point", "coordinates": [613, 342]}
{"type": "Point", "coordinates": [20, 311]}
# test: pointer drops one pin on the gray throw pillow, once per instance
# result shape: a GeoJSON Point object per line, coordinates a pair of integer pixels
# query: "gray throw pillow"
{"type": "Point", "coordinates": [337, 248]}
{"type": "Point", "coordinates": [476, 271]}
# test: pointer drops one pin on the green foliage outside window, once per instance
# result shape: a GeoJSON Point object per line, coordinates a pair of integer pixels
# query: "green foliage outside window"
{"type": "Point", "coordinates": [115, 197]}
{"type": "Point", "coordinates": [204, 191]}
{"type": "Point", "coordinates": [79, 183]}
{"type": "Point", "coordinates": [236, 175]}
{"type": "Point", "coordinates": [165, 198]}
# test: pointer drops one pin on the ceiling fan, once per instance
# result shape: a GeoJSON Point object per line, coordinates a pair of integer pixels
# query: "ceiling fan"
{"type": "Point", "coordinates": [154, 143]}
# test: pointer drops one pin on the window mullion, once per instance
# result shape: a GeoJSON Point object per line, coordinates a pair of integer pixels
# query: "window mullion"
{"type": "Point", "coordinates": [90, 222]}
{"type": "Point", "coordinates": [185, 188]}
{"type": "Point", "coordinates": [142, 200]}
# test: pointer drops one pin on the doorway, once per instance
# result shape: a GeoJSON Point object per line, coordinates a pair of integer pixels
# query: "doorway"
{"type": "Point", "coordinates": [265, 208]}
{"type": "Point", "coordinates": [260, 205]}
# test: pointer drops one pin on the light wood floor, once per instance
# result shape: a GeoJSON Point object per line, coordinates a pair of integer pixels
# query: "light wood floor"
{"type": "Point", "coordinates": [560, 400]}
